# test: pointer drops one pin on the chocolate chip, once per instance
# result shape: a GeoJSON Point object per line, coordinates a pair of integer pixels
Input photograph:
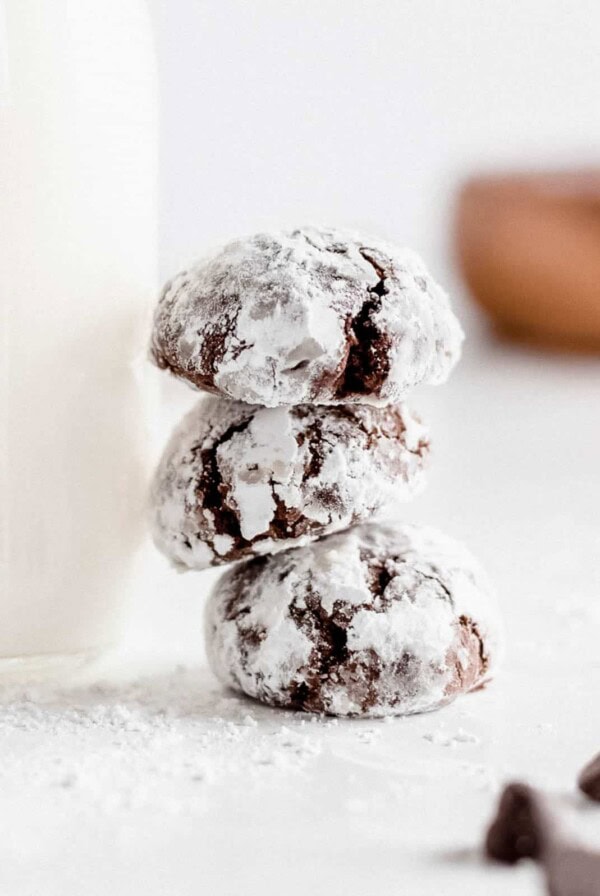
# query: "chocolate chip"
{"type": "Point", "coordinates": [520, 828]}
{"type": "Point", "coordinates": [524, 828]}
{"type": "Point", "coordinates": [589, 779]}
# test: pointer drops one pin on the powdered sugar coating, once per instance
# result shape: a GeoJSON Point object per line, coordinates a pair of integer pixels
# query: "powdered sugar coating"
{"type": "Point", "coordinates": [238, 480]}
{"type": "Point", "coordinates": [377, 620]}
{"type": "Point", "coordinates": [319, 316]}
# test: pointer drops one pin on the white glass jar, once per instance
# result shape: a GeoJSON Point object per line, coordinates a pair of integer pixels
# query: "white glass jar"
{"type": "Point", "coordinates": [78, 217]}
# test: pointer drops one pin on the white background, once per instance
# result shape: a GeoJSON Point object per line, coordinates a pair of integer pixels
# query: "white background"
{"type": "Point", "coordinates": [288, 111]}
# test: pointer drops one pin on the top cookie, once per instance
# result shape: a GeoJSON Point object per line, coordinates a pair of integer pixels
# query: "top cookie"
{"type": "Point", "coordinates": [311, 316]}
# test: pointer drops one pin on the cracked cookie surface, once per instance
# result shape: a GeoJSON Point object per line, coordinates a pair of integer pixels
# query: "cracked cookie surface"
{"type": "Point", "coordinates": [377, 620]}
{"type": "Point", "coordinates": [312, 315]}
{"type": "Point", "coordinates": [238, 480]}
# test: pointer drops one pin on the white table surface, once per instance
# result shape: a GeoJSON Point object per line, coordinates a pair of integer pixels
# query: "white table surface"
{"type": "Point", "coordinates": [157, 782]}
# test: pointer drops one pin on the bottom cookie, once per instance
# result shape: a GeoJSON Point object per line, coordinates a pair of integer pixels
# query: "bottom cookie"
{"type": "Point", "coordinates": [377, 620]}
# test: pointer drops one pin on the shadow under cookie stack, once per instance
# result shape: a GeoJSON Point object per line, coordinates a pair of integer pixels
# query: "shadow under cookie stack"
{"type": "Point", "coordinates": [310, 341]}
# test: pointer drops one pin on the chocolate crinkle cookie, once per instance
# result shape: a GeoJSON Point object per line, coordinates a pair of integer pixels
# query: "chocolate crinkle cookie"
{"type": "Point", "coordinates": [313, 315]}
{"type": "Point", "coordinates": [374, 621]}
{"type": "Point", "coordinates": [238, 480]}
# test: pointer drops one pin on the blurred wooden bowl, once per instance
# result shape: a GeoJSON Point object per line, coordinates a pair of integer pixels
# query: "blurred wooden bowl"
{"type": "Point", "coordinates": [528, 246]}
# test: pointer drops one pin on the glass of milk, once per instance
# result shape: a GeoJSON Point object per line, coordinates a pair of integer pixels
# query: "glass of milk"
{"type": "Point", "coordinates": [78, 216]}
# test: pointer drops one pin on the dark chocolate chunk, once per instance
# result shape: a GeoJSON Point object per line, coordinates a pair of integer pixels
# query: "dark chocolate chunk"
{"type": "Point", "coordinates": [589, 779]}
{"type": "Point", "coordinates": [521, 827]}
{"type": "Point", "coordinates": [524, 828]}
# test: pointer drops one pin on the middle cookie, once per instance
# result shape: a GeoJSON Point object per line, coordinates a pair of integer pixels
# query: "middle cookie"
{"type": "Point", "coordinates": [237, 480]}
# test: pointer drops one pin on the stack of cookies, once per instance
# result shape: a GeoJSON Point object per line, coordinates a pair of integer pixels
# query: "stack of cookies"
{"type": "Point", "coordinates": [309, 342]}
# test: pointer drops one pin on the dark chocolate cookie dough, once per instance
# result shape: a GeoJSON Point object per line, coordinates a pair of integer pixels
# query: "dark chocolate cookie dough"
{"type": "Point", "coordinates": [311, 316]}
{"type": "Point", "coordinates": [377, 620]}
{"type": "Point", "coordinates": [238, 480]}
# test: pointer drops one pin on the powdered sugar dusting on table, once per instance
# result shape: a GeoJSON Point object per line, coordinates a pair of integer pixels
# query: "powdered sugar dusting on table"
{"type": "Point", "coordinates": [169, 740]}
{"type": "Point", "coordinates": [159, 740]}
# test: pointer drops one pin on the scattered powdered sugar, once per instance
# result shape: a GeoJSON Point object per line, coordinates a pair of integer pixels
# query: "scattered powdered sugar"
{"type": "Point", "coordinates": [369, 735]}
{"type": "Point", "coordinates": [314, 315]}
{"type": "Point", "coordinates": [171, 744]}
{"type": "Point", "coordinates": [445, 738]}
{"type": "Point", "coordinates": [237, 480]}
{"type": "Point", "coordinates": [375, 620]}
{"type": "Point", "coordinates": [162, 740]}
